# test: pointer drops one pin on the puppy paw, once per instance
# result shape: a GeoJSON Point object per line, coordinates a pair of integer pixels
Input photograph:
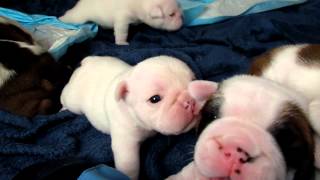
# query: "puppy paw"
{"type": "Point", "coordinates": [122, 43]}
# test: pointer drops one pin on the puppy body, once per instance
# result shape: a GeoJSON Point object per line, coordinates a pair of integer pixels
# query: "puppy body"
{"type": "Point", "coordinates": [131, 103]}
{"type": "Point", "coordinates": [30, 79]}
{"type": "Point", "coordinates": [119, 14]}
{"type": "Point", "coordinates": [260, 131]}
{"type": "Point", "coordinates": [298, 67]}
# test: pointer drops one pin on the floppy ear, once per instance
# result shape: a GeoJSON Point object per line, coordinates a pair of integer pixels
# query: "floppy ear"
{"type": "Point", "coordinates": [121, 90]}
{"type": "Point", "coordinates": [295, 138]}
{"type": "Point", "coordinates": [156, 13]}
{"type": "Point", "coordinates": [202, 90]}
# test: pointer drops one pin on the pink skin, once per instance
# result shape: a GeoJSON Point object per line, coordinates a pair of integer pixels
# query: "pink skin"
{"type": "Point", "coordinates": [181, 98]}
{"type": "Point", "coordinates": [181, 113]}
{"type": "Point", "coordinates": [164, 14]}
{"type": "Point", "coordinates": [243, 153]}
{"type": "Point", "coordinates": [201, 90]}
{"type": "Point", "coordinates": [185, 110]}
{"type": "Point", "coordinates": [178, 111]}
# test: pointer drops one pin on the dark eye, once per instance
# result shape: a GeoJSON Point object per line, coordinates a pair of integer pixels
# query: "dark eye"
{"type": "Point", "coordinates": [172, 14]}
{"type": "Point", "coordinates": [155, 99]}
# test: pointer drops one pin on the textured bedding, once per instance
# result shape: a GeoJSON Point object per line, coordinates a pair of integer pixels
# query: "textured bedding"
{"type": "Point", "coordinates": [214, 52]}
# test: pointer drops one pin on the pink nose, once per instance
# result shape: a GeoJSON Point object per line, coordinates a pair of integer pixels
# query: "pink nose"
{"type": "Point", "coordinates": [189, 105]}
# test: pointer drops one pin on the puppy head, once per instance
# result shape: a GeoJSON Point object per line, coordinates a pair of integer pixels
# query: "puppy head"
{"type": "Point", "coordinates": [156, 92]}
{"type": "Point", "coordinates": [233, 148]}
{"type": "Point", "coordinates": [163, 14]}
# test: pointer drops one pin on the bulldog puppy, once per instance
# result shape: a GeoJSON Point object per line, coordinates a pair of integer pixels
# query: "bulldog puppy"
{"type": "Point", "coordinates": [30, 80]}
{"type": "Point", "coordinates": [261, 132]}
{"type": "Point", "coordinates": [119, 14]}
{"type": "Point", "coordinates": [298, 67]}
{"type": "Point", "coordinates": [131, 103]}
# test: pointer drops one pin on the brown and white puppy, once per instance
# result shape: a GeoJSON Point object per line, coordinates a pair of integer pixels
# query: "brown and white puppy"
{"type": "Point", "coordinates": [30, 79]}
{"type": "Point", "coordinates": [297, 67]}
{"type": "Point", "coordinates": [261, 132]}
{"type": "Point", "coordinates": [119, 14]}
{"type": "Point", "coordinates": [131, 103]}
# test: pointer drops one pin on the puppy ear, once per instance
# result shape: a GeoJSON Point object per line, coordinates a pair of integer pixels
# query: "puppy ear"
{"type": "Point", "coordinates": [295, 139]}
{"type": "Point", "coordinates": [121, 90]}
{"type": "Point", "coordinates": [156, 13]}
{"type": "Point", "coordinates": [202, 90]}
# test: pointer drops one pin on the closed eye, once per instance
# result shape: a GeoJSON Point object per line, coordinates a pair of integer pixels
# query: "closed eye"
{"type": "Point", "coordinates": [172, 14]}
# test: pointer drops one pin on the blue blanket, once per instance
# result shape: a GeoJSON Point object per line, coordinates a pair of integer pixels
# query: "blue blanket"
{"type": "Point", "coordinates": [214, 52]}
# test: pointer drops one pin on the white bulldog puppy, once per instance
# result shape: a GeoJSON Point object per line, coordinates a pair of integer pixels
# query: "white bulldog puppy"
{"type": "Point", "coordinates": [131, 103]}
{"type": "Point", "coordinates": [119, 14]}
{"type": "Point", "coordinates": [261, 132]}
{"type": "Point", "coordinates": [298, 67]}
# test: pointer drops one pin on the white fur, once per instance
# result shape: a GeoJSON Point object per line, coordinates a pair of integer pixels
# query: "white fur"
{"type": "Point", "coordinates": [114, 97]}
{"type": "Point", "coordinates": [119, 14]}
{"type": "Point", "coordinates": [286, 69]}
{"type": "Point", "coordinates": [250, 106]}
{"type": "Point", "coordinates": [5, 74]}
{"type": "Point", "coordinates": [247, 99]}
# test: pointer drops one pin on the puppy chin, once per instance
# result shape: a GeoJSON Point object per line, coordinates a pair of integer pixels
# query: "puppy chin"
{"type": "Point", "coordinates": [173, 25]}
{"type": "Point", "coordinates": [170, 129]}
{"type": "Point", "coordinates": [166, 25]}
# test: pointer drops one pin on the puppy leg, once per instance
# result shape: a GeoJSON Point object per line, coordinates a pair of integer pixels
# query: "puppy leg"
{"type": "Point", "coordinates": [314, 111]}
{"type": "Point", "coordinates": [126, 155]}
{"type": "Point", "coordinates": [121, 28]}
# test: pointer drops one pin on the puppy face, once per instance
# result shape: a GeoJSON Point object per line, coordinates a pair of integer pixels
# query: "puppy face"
{"type": "Point", "coordinates": [157, 94]}
{"type": "Point", "coordinates": [246, 151]}
{"type": "Point", "coordinates": [164, 14]}
{"type": "Point", "coordinates": [262, 131]}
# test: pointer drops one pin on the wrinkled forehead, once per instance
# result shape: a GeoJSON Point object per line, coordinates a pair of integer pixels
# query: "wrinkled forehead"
{"type": "Point", "coordinates": [168, 4]}
{"type": "Point", "coordinates": [161, 75]}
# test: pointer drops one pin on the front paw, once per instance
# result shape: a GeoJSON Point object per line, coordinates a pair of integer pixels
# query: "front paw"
{"type": "Point", "coordinates": [122, 43]}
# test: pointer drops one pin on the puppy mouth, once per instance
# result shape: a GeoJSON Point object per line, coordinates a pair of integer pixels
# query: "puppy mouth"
{"type": "Point", "coordinates": [192, 122]}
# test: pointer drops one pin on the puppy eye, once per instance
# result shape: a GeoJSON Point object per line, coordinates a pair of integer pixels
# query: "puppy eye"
{"type": "Point", "coordinates": [172, 14]}
{"type": "Point", "coordinates": [155, 99]}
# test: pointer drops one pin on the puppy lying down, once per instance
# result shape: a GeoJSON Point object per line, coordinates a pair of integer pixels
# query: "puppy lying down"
{"type": "Point", "coordinates": [119, 14]}
{"type": "Point", "coordinates": [261, 131]}
{"type": "Point", "coordinates": [30, 80]}
{"type": "Point", "coordinates": [131, 103]}
{"type": "Point", "coordinates": [298, 67]}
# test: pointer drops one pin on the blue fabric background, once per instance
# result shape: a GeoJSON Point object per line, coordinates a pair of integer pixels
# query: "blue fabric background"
{"type": "Point", "coordinates": [214, 52]}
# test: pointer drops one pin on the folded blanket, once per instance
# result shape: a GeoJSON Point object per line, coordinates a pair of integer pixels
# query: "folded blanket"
{"type": "Point", "coordinates": [214, 52]}
{"type": "Point", "coordinates": [52, 34]}
{"type": "Point", "coordinates": [197, 12]}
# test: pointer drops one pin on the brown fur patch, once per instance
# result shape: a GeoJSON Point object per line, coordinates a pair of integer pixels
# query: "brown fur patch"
{"type": "Point", "coordinates": [294, 113]}
{"type": "Point", "coordinates": [310, 55]}
{"type": "Point", "coordinates": [261, 62]}
{"type": "Point", "coordinates": [294, 136]}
